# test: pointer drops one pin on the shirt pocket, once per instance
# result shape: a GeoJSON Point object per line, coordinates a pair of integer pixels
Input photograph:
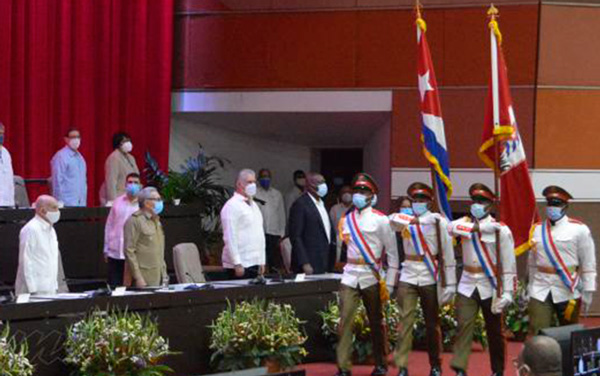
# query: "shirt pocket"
{"type": "Point", "coordinates": [566, 244]}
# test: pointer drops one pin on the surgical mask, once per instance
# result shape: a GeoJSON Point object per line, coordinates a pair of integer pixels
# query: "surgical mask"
{"type": "Point", "coordinates": [53, 216]}
{"type": "Point", "coordinates": [407, 211]}
{"type": "Point", "coordinates": [265, 182]}
{"type": "Point", "coordinates": [374, 200]}
{"type": "Point", "coordinates": [133, 189]}
{"type": "Point", "coordinates": [74, 143]}
{"type": "Point", "coordinates": [347, 198]}
{"type": "Point", "coordinates": [1, 139]}
{"type": "Point", "coordinates": [127, 147]}
{"type": "Point", "coordinates": [478, 210]}
{"type": "Point", "coordinates": [301, 182]}
{"type": "Point", "coordinates": [158, 207]}
{"type": "Point", "coordinates": [554, 213]}
{"type": "Point", "coordinates": [359, 200]}
{"type": "Point", "coordinates": [420, 208]}
{"type": "Point", "coordinates": [322, 190]}
{"type": "Point", "coordinates": [250, 189]}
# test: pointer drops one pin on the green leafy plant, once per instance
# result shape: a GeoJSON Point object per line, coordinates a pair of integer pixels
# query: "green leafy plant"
{"type": "Point", "coordinates": [251, 333]}
{"type": "Point", "coordinates": [13, 356]}
{"type": "Point", "coordinates": [516, 319]}
{"type": "Point", "coordinates": [118, 344]}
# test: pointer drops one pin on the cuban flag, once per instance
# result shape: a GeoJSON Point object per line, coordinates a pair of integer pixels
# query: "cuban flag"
{"type": "Point", "coordinates": [433, 134]}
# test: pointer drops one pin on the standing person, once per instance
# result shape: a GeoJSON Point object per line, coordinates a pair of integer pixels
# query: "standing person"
{"type": "Point", "coordinates": [7, 178]}
{"type": "Point", "coordinates": [336, 213]}
{"type": "Point", "coordinates": [243, 232]}
{"type": "Point", "coordinates": [422, 277]}
{"type": "Point", "coordinates": [311, 232]}
{"type": "Point", "coordinates": [272, 209]}
{"type": "Point", "coordinates": [123, 207]}
{"type": "Point", "coordinates": [144, 241]}
{"type": "Point", "coordinates": [69, 172]}
{"type": "Point", "coordinates": [368, 235]}
{"type": "Point", "coordinates": [39, 256]}
{"type": "Point", "coordinates": [562, 265]}
{"type": "Point", "coordinates": [296, 191]}
{"type": "Point", "coordinates": [118, 165]}
{"type": "Point", "coordinates": [479, 283]}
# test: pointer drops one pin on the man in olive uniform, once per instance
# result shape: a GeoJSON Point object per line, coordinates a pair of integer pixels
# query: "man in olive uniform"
{"type": "Point", "coordinates": [367, 234]}
{"type": "Point", "coordinates": [144, 241]}
{"type": "Point", "coordinates": [480, 287]}
{"type": "Point", "coordinates": [562, 265]}
{"type": "Point", "coordinates": [424, 236]}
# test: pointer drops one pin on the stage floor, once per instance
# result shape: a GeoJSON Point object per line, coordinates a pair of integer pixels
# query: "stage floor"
{"type": "Point", "coordinates": [479, 364]}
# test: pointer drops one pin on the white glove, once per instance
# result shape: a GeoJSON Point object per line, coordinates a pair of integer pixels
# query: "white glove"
{"type": "Point", "coordinates": [489, 227]}
{"type": "Point", "coordinates": [447, 294]}
{"type": "Point", "coordinates": [586, 299]}
{"type": "Point", "coordinates": [505, 300]}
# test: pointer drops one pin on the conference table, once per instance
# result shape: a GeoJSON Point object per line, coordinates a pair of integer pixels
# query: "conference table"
{"type": "Point", "coordinates": [183, 316]}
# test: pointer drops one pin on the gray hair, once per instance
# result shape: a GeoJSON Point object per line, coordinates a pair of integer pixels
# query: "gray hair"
{"type": "Point", "coordinates": [145, 194]}
{"type": "Point", "coordinates": [243, 174]}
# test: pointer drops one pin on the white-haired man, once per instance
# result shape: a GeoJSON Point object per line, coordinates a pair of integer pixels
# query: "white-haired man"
{"type": "Point", "coordinates": [243, 234]}
{"type": "Point", "coordinates": [39, 257]}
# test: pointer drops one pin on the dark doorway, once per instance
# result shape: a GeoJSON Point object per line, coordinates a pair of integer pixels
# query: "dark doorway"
{"type": "Point", "coordinates": [339, 166]}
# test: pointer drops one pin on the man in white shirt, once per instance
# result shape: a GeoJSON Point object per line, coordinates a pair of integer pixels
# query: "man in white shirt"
{"type": "Point", "coordinates": [270, 202]}
{"type": "Point", "coordinates": [296, 191]}
{"type": "Point", "coordinates": [562, 265]}
{"type": "Point", "coordinates": [336, 213]}
{"type": "Point", "coordinates": [243, 232]}
{"type": "Point", "coordinates": [123, 207]}
{"type": "Point", "coordinates": [7, 179]}
{"type": "Point", "coordinates": [39, 257]}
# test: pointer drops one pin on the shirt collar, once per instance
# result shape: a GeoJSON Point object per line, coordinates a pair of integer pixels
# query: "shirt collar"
{"type": "Point", "coordinates": [72, 153]}
{"type": "Point", "coordinates": [43, 223]}
{"type": "Point", "coordinates": [561, 221]}
{"type": "Point", "coordinates": [320, 202]}
{"type": "Point", "coordinates": [241, 197]}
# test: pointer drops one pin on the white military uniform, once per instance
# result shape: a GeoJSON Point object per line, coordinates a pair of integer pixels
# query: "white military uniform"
{"type": "Point", "coordinates": [375, 228]}
{"type": "Point", "coordinates": [574, 242]}
{"type": "Point", "coordinates": [473, 277]}
{"type": "Point", "coordinates": [416, 272]}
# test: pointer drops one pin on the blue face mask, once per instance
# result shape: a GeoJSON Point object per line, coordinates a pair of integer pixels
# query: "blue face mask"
{"type": "Point", "coordinates": [158, 207]}
{"type": "Point", "coordinates": [265, 182]}
{"type": "Point", "coordinates": [359, 200]}
{"type": "Point", "coordinates": [478, 210]}
{"type": "Point", "coordinates": [1, 139]}
{"type": "Point", "coordinates": [133, 189]}
{"type": "Point", "coordinates": [420, 208]}
{"type": "Point", "coordinates": [554, 213]}
{"type": "Point", "coordinates": [374, 200]}
{"type": "Point", "coordinates": [407, 211]}
{"type": "Point", "coordinates": [322, 190]}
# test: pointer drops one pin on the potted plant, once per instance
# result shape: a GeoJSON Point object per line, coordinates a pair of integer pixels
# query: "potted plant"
{"type": "Point", "coordinates": [254, 333]}
{"type": "Point", "coordinates": [116, 343]}
{"type": "Point", "coordinates": [13, 356]}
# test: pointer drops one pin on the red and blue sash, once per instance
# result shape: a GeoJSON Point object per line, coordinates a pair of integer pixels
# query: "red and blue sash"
{"type": "Point", "coordinates": [483, 255]}
{"type": "Point", "coordinates": [361, 243]}
{"type": "Point", "coordinates": [568, 279]}
{"type": "Point", "coordinates": [423, 250]}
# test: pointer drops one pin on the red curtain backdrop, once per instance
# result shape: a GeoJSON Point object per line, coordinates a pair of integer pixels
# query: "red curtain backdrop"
{"type": "Point", "coordinates": [99, 65]}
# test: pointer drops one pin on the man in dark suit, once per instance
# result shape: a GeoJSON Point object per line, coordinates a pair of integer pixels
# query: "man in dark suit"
{"type": "Point", "coordinates": [311, 231]}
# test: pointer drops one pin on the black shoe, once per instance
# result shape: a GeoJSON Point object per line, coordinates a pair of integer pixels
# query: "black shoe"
{"type": "Point", "coordinates": [403, 372]}
{"type": "Point", "coordinates": [460, 372]}
{"type": "Point", "coordinates": [379, 371]}
{"type": "Point", "coordinates": [498, 374]}
{"type": "Point", "coordinates": [435, 371]}
{"type": "Point", "coordinates": [341, 372]}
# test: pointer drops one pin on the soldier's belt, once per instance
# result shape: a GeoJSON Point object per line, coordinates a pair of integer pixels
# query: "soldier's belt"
{"type": "Point", "coordinates": [552, 270]}
{"type": "Point", "coordinates": [360, 261]}
{"type": "Point", "coordinates": [473, 269]}
{"type": "Point", "coordinates": [414, 258]}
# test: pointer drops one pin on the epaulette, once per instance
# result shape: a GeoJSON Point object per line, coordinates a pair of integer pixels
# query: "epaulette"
{"type": "Point", "coordinates": [577, 221]}
{"type": "Point", "coordinates": [379, 213]}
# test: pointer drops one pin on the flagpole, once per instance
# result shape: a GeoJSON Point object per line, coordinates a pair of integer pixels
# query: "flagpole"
{"type": "Point", "coordinates": [493, 14]}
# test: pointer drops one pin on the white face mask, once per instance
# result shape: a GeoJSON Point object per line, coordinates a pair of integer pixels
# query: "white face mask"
{"type": "Point", "coordinates": [53, 216]}
{"type": "Point", "coordinates": [127, 147]}
{"type": "Point", "coordinates": [250, 189]}
{"type": "Point", "coordinates": [74, 143]}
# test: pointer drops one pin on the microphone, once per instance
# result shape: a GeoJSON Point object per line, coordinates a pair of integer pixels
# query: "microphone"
{"type": "Point", "coordinates": [195, 286]}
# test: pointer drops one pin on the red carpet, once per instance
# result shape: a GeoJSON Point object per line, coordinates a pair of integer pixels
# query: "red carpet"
{"type": "Point", "coordinates": [479, 364]}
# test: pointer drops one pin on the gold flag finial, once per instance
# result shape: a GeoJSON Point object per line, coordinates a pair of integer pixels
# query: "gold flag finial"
{"type": "Point", "coordinates": [493, 12]}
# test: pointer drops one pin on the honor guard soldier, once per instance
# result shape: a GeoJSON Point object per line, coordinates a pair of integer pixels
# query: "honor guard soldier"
{"type": "Point", "coordinates": [367, 234]}
{"type": "Point", "coordinates": [428, 272]}
{"type": "Point", "coordinates": [562, 265]}
{"type": "Point", "coordinates": [480, 286]}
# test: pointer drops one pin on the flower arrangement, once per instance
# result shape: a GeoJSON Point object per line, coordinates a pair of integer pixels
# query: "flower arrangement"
{"type": "Point", "coordinates": [116, 343]}
{"type": "Point", "coordinates": [516, 319]}
{"type": "Point", "coordinates": [13, 356]}
{"type": "Point", "coordinates": [253, 333]}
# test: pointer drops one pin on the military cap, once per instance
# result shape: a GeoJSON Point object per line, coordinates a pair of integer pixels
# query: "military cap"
{"type": "Point", "coordinates": [420, 189]}
{"type": "Point", "coordinates": [365, 181]}
{"type": "Point", "coordinates": [479, 190]}
{"type": "Point", "coordinates": [554, 192]}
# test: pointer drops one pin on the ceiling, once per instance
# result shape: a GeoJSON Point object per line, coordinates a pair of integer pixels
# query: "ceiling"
{"type": "Point", "coordinates": [335, 129]}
